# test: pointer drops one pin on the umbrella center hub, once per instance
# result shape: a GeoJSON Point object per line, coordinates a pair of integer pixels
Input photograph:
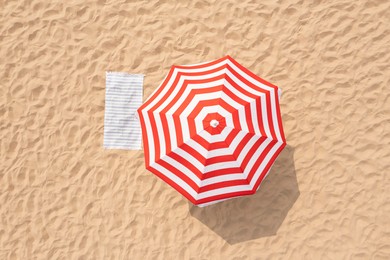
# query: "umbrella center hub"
{"type": "Point", "coordinates": [214, 123]}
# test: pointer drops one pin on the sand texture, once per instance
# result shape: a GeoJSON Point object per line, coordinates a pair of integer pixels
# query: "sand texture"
{"type": "Point", "coordinates": [62, 196]}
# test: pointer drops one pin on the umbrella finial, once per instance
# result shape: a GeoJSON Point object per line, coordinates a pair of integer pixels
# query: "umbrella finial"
{"type": "Point", "coordinates": [214, 123]}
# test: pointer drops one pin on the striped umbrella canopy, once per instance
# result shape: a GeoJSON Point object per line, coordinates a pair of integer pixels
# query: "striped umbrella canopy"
{"type": "Point", "coordinates": [212, 131]}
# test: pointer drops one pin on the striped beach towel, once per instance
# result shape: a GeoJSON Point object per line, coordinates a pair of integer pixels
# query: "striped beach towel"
{"type": "Point", "coordinates": [122, 129]}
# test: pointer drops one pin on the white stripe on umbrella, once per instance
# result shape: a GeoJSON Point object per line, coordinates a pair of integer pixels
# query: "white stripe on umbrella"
{"type": "Point", "coordinates": [209, 162]}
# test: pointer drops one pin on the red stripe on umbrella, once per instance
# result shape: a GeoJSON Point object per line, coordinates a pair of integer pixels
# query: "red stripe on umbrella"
{"type": "Point", "coordinates": [212, 131]}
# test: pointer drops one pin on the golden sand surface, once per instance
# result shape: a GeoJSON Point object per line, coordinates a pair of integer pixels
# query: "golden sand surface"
{"type": "Point", "coordinates": [62, 196]}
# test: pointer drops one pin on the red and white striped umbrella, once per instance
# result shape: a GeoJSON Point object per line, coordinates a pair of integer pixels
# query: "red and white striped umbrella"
{"type": "Point", "coordinates": [212, 131]}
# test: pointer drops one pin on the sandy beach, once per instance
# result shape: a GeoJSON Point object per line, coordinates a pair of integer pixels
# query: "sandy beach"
{"type": "Point", "coordinates": [62, 196]}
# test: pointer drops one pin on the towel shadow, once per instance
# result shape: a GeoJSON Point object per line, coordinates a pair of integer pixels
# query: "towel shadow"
{"type": "Point", "coordinates": [260, 215]}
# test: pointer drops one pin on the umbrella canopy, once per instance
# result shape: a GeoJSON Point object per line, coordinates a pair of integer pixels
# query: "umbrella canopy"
{"type": "Point", "coordinates": [212, 131]}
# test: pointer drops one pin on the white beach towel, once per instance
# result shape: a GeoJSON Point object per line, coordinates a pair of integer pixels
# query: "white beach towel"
{"type": "Point", "coordinates": [122, 129]}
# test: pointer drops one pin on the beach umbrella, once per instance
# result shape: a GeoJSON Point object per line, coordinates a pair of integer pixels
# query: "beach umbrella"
{"type": "Point", "coordinates": [212, 131]}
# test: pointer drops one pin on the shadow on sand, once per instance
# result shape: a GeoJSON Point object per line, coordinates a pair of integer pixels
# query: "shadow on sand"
{"type": "Point", "coordinates": [260, 215]}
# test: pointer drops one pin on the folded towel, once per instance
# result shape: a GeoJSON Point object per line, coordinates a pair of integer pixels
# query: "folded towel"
{"type": "Point", "coordinates": [122, 129]}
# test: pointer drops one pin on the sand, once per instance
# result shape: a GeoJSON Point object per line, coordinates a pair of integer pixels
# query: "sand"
{"type": "Point", "coordinates": [62, 196]}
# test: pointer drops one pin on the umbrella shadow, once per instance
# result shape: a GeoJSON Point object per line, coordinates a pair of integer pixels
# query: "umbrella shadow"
{"type": "Point", "coordinates": [260, 215]}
